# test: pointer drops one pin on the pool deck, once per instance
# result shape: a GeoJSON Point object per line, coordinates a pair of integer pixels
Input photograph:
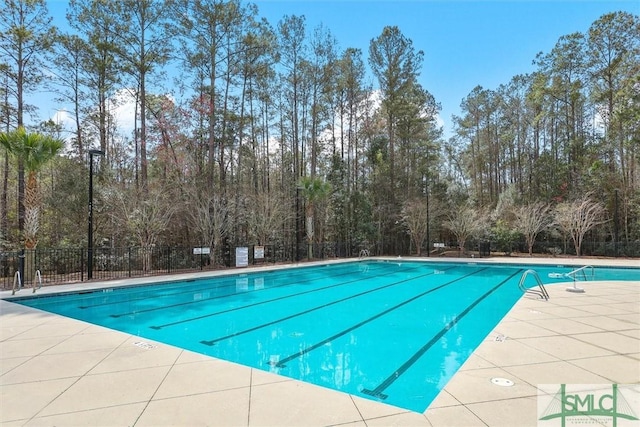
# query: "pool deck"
{"type": "Point", "coordinates": [55, 371]}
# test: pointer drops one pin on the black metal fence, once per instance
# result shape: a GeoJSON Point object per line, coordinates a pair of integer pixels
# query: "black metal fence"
{"type": "Point", "coordinates": [57, 266]}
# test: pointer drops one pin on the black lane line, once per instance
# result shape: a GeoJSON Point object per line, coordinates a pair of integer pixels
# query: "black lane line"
{"type": "Point", "coordinates": [271, 300]}
{"type": "Point", "coordinates": [301, 313]}
{"type": "Point", "coordinates": [378, 391]}
{"type": "Point", "coordinates": [181, 283]}
{"type": "Point", "coordinates": [162, 307]}
{"type": "Point", "coordinates": [282, 363]}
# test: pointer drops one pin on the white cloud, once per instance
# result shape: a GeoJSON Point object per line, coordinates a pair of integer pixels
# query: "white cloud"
{"type": "Point", "coordinates": [123, 107]}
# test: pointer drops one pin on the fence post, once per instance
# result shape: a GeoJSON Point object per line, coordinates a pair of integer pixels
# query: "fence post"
{"type": "Point", "coordinates": [129, 259]}
{"type": "Point", "coordinates": [21, 266]}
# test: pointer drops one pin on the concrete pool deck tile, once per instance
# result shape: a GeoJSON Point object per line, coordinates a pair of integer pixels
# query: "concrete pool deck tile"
{"type": "Point", "coordinates": [565, 312]}
{"type": "Point", "coordinates": [554, 373]}
{"type": "Point", "coordinates": [633, 333]}
{"type": "Point", "coordinates": [475, 386]}
{"type": "Point", "coordinates": [10, 363]}
{"type": "Point", "coordinates": [54, 366]}
{"type": "Point", "coordinates": [406, 419]}
{"type": "Point", "coordinates": [564, 326]}
{"type": "Point", "coordinates": [629, 318]}
{"type": "Point", "coordinates": [27, 348]}
{"type": "Point", "coordinates": [191, 357]}
{"type": "Point", "coordinates": [209, 409]}
{"type": "Point", "coordinates": [576, 301]}
{"type": "Point", "coordinates": [294, 403]}
{"type": "Point", "coordinates": [564, 347]}
{"type": "Point", "coordinates": [370, 409]}
{"type": "Point", "coordinates": [612, 341]}
{"type": "Point", "coordinates": [51, 329]}
{"type": "Point", "coordinates": [10, 331]}
{"type": "Point", "coordinates": [513, 352]}
{"type": "Point", "coordinates": [521, 329]}
{"type": "Point", "coordinates": [130, 356]}
{"type": "Point", "coordinates": [259, 377]}
{"type": "Point", "coordinates": [476, 362]}
{"type": "Point", "coordinates": [605, 310]}
{"type": "Point", "coordinates": [629, 307]}
{"type": "Point", "coordinates": [453, 416]}
{"type": "Point", "coordinates": [121, 415]}
{"type": "Point", "coordinates": [105, 390]}
{"type": "Point", "coordinates": [630, 298]}
{"type": "Point", "coordinates": [521, 412]}
{"type": "Point", "coordinates": [23, 401]}
{"type": "Point", "coordinates": [203, 377]}
{"type": "Point", "coordinates": [616, 369]}
{"type": "Point", "coordinates": [607, 323]}
{"type": "Point", "coordinates": [443, 400]}
{"type": "Point", "coordinates": [527, 314]}
{"type": "Point", "coordinates": [85, 342]}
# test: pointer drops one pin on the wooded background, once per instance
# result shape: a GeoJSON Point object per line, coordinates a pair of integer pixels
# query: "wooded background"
{"type": "Point", "coordinates": [251, 132]}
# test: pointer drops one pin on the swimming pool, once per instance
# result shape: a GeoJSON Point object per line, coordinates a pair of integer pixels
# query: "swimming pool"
{"type": "Point", "coordinates": [389, 331]}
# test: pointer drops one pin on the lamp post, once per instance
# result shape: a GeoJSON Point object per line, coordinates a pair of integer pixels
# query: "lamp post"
{"type": "Point", "coordinates": [615, 224]}
{"type": "Point", "coordinates": [90, 232]}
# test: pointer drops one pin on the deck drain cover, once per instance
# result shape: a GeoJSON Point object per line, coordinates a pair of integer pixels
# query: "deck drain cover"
{"type": "Point", "coordinates": [144, 345]}
{"type": "Point", "coordinates": [502, 382]}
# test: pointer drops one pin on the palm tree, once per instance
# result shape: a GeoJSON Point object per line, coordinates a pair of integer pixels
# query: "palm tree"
{"type": "Point", "coordinates": [35, 150]}
{"type": "Point", "coordinates": [314, 190]}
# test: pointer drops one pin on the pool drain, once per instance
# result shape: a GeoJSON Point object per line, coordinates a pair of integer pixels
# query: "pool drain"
{"type": "Point", "coordinates": [502, 382]}
{"type": "Point", "coordinates": [144, 345]}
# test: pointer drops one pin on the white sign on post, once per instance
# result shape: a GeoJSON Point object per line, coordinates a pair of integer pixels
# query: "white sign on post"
{"type": "Point", "coordinates": [242, 256]}
{"type": "Point", "coordinates": [258, 252]}
{"type": "Point", "coordinates": [201, 251]}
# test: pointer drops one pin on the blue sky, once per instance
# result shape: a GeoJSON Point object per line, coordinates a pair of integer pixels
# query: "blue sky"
{"type": "Point", "coordinates": [465, 42]}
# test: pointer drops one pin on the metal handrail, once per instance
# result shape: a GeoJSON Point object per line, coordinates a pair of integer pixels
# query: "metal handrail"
{"type": "Point", "coordinates": [542, 292]}
{"type": "Point", "coordinates": [39, 280]}
{"type": "Point", "coordinates": [364, 253]}
{"type": "Point", "coordinates": [572, 274]}
{"type": "Point", "coordinates": [16, 278]}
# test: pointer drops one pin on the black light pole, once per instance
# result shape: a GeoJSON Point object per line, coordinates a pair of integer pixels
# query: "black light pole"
{"type": "Point", "coordinates": [615, 224]}
{"type": "Point", "coordinates": [426, 186]}
{"type": "Point", "coordinates": [90, 233]}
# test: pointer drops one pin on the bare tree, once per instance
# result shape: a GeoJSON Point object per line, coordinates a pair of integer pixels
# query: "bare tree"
{"type": "Point", "coordinates": [464, 223]}
{"type": "Point", "coordinates": [530, 220]}
{"type": "Point", "coordinates": [209, 217]}
{"type": "Point", "coordinates": [576, 218]}
{"type": "Point", "coordinates": [415, 216]}
{"type": "Point", "coordinates": [267, 216]}
{"type": "Point", "coordinates": [145, 217]}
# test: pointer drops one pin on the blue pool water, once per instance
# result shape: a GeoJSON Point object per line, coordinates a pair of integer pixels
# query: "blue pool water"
{"type": "Point", "coordinates": [394, 332]}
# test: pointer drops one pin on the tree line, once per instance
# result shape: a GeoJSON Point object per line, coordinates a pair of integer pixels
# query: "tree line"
{"type": "Point", "coordinates": [248, 132]}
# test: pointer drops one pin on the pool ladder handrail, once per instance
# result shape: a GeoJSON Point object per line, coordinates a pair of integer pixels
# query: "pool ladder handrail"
{"type": "Point", "coordinates": [17, 280]}
{"type": "Point", "coordinates": [572, 274]}
{"type": "Point", "coordinates": [364, 253]}
{"type": "Point", "coordinates": [39, 280]}
{"type": "Point", "coordinates": [542, 292]}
